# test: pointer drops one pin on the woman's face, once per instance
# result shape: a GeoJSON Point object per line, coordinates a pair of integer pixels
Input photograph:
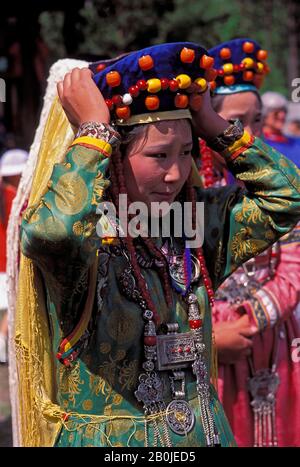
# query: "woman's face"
{"type": "Point", "coordinates": [158, 161]}
{"type": "Point", "coordinates": [246, 107]}
{"type": "Point", "coordinates": [275, 120]}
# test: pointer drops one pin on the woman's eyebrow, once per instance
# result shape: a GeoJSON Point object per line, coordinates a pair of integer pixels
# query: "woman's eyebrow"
{"type": "Point", "coordinates": [163, 147]}
{"type": "Point", "coordinates": [158, 147]}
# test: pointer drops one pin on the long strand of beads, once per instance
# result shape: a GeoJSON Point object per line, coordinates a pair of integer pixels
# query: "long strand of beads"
{"type": "Point", "coordinates": [205, 274]}
{"type": "Point", "coordinates": [207, 170]}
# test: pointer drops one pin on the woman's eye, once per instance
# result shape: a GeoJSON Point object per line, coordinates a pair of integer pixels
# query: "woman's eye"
{"type": "Point", "coordinates": [187, 153]}
{"type": "Point", "coordinates": [159, 155]}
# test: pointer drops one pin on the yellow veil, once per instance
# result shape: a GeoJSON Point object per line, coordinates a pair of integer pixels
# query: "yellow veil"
{"type": "Point", "coordinates": [36, 417]}
{"type": "Point", "coordinates": [39, 416]}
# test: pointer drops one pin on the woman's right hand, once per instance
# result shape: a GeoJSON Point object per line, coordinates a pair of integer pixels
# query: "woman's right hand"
{"type": "Point", "coordinates": [81, 99]}
{"type": "Point", "coordinates": [233, 339]}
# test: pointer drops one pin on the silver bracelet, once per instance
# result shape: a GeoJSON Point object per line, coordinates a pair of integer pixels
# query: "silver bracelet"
{"type": "Point", "coordinates": [99, 130]}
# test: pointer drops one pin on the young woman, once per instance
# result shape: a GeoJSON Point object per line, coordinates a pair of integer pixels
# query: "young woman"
{"type": "Point", "coordinates": [254, 319]}
{"type": "Point", "coordinates": [115, 349]}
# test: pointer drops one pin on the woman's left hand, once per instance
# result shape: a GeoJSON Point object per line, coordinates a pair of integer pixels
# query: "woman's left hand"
{"type": "Point", "coordinates": [81, 99]}
{"type": "Point", "coordinates": [207, 123]}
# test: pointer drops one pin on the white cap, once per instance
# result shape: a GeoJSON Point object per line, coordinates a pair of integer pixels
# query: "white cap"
{"type": "Point", "coordinates": [293, 112]}
{"type": "Point", "coordinates": [13, 162]}
{"type": "Point", "coordinates": [273, 101]}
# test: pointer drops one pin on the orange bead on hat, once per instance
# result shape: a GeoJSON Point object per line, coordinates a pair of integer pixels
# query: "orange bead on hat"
{"type": "Point", "coordinates": [181, 101]}
{"type": "Point", "coordinates": [146, 62]}
{"type": "Point", "coordinates": [262, 55]}
{"type": "Point", "coordinates": [123, 112]}
{"type": "Point", "coordinates": [113, 79]}
{"type": "Point", "coordinates": [206, 62]}
{"type": "Point", "coordinates": [229, 80]}
{"type": "Point", "coordinates": [187, 55]}
{"type": "Point", "coordinates": [225, 53]}
{"type": "Point", "coordinates": [248, 47]}
{"type": "Point", "coordinates": [152, 102]}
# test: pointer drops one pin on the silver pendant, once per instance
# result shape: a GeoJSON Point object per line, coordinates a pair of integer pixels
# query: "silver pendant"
{"type": "Point", "coordinates": [180, 417]}
{"type": "Point", "coordinates": [176, 268]}
{"type": "Point", "coordinates": [263, 387]}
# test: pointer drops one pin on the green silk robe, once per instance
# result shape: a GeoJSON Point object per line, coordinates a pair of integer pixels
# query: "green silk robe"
{"type": "Point", "coordinates": [59, 234]}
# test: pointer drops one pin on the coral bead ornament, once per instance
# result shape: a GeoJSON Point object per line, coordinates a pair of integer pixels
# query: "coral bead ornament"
{"type": "Point", "coordinates": [248, 75]}
{"type": "Point", "coordinates": [142, 84]}
{"type": "Point", "coordinates": [212, 85]}
{"type": "Point", "coordinates": [153, 85]}
{"type": "Point", "coordinates": [164, 83]}
{"type": "Point", "coordinates": [123, 112]}
{"type": "Point", "coordinates": [150, 341]}
{"type": "Point", "coordinates": [152, 102]}
{"type": "Point", "coordinates": [101, 67]}
{"type": "Point", "coordinates": [173, 85]}
{"type": "Point", "coordinates": [195, 323]}
{"type": "Point", "coordinates": [262, 54]}
{"type": "Point", "coordinates": [109, 103]}
{"type": "Point", "coordinates": [210, 75]}
{"type": "Point", "coordinates": [229, 80]}
{"type": "Point", "coordinates": [184, 81]}
{"type": "Point", "coordinates": [225, 53]}
{"type": "Point", "coordinates": [113, 79]}
{"type": "Point", "coordinates": [117, 99]}
{"type": "Point", "coordinates": [187, 55]}
{"type": "Point", "coordinates": [146, 62]}
{"type": "Point", "coordinates": [181, 101]}
{"type": "Point", "coordinates": [248, 47]}
{"type": "Point", "coordinates": [206, 62]}
{"type": "Point", "coordinates": [135, 90]}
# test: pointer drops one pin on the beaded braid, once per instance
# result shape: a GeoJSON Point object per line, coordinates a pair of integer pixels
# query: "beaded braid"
{"type": "Point", "coordinates": [120, 188]}
{"type": "Point", "coordinates": [207, 170]}
{"type": "Point", "coordinates": [163, 270]}
{"type": "Point", "coordinates": [191, 196]}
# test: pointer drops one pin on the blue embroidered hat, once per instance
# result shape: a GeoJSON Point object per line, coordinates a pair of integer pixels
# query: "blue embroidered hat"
{"type": "Point", "coordinates": [152, 83]}
{"type": "Point", "coordinates": [240, 65]}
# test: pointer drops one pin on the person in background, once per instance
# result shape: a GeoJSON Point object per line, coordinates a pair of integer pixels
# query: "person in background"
{"type": "Point", "coordinates": [292, 126]}
{"type": "Point", "coordinates": [275, 108]}
{"type": "Point", "coordinates": [253, 316]}
{"type": "Point", "coordinates": [12, 164]}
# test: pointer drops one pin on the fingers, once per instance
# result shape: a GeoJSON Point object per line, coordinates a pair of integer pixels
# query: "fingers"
{"type": "Point", "coordinates": [72, 80]}
{"type": "Point", "coordinates": [80, 74]}
{"type": "Point", "coordinates": [249, 331]}
{"type": "Point", "coordinates": [246, 343]}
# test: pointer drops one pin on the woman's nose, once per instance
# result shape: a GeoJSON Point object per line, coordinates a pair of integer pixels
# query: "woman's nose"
{"type": "Point", "coordinates": [173, 173]}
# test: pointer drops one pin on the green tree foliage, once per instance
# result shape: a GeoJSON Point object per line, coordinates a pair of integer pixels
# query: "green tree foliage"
{"type": "Point", "coordinates": [110, 27]}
